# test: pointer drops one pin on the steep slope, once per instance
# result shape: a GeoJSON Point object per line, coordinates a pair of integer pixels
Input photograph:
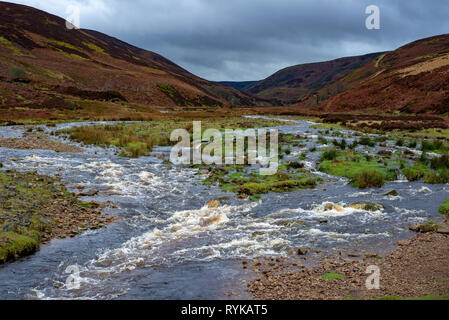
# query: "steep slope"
{"type": "Point", "coordinates": [411, 79]}
{"type": "Point", "coordinates": [295, 83]}
{"type": "Point", "coordinates": [40, 59]}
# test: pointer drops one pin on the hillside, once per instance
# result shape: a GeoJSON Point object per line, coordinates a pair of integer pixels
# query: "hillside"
{"type": "Point", "coordinates": [411, 79]}
{"type": "Point", "coordinates": [44, 65]}
{"type": "Point", "coordinates": [293, 84]}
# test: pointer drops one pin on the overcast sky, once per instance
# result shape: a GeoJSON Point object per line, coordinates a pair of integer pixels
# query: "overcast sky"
{"type": "Point", "coordinates": [251, 39]}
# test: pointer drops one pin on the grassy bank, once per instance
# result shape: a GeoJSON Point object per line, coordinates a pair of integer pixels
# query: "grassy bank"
{"type": "Point", "coordinates": [35, 209]}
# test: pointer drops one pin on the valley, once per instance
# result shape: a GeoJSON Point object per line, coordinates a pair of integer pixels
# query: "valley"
{"type": "Point", "coordinates": [87, 182]}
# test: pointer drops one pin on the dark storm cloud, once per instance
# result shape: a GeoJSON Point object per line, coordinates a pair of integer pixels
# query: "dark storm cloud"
{"type": "Point", "coordinates": [251, 39]}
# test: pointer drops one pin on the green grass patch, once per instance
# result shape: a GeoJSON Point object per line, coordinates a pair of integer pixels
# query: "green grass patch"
{"type": "Point", "coordinates": [331, 276]}
{"type": "Point", "coordinates": [23, 224]}
{"type": "Point", "coordinates": [364, 172]}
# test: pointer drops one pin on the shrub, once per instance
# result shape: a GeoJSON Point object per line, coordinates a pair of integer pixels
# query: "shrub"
{"type": "Point", "coordinates": [444, 208]}
{"type": "Point", "coordinates": [412, 144]}
{"type": "Point", "coordinates": [366, 141]}
{"type": "Point", "coordinates": [431, 145]}
{"type": "Point", "coordinates": [440, 162]}
{"type": "Point", "coordinates": [368, 178]}
{"type": "Point", "coordinates": [329, 155]}
{"type": "Point", "coordinates": [17, 73]}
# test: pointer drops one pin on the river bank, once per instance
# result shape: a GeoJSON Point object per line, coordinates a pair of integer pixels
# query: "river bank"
{"type": "Point", "coordinates": [418, 268]}
{"type": "Point", "coordinates": [35, 209]}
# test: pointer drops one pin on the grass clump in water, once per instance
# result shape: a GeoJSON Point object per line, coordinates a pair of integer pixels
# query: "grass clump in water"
{"type": "Point", "coordinates": [248, 183]}
{"type": "Point", "coordinates": [363, 171]}
{"type": "Point", "coordinates": [444, 208]}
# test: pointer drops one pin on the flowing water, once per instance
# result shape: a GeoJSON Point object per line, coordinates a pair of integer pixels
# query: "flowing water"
{"type": "Point", "coordinates": [167, 244]}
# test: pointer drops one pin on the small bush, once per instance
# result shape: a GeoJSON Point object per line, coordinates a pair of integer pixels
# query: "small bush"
{"type": "Point", "coordinates": [366, 141]}
{"type": "Point", "coordinates": [368, 179]}
{"type": "Point", "coordinates": [329, 155]}
{"type": "Point", "coordinates": [17, 73]}
{"type": "Point", "coordinates": [444, 208]}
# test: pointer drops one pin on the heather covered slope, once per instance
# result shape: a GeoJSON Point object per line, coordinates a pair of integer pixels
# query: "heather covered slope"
{"type": "Point", "coordinates": [411, 79]}
{"type": "Point", "coordinates": [297, 83]}
{"type": "Point", "coordinates": [40, 60]}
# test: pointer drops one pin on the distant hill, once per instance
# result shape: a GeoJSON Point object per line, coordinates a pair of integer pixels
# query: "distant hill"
{"type": "Point", "coordinates": [239, 85]}
{"type": "Point", "coordinates": [412, 79]}
{"type": "Point", "coordinates": [41, 58]}
{"type": "Point", "coordinates": [293, 84]}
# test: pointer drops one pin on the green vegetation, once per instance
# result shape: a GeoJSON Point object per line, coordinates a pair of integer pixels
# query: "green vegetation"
{"type": "Point", "coordinates": [331, 276]}
{"type": "Point", "coordinates": [9, 45]}
{"type": "Point", "coordinates": [363, 171]}
{"type": "Point", "coordinates": [23, 220]}
{"type": "Point", "coordinates": [245, 182]}
{"type": "Point", "coordinates": [444, 208]}
{"type": "Point", "coordinates": [434, 171]}
{"type": "Point", "coordinates": [137, 139]}
{"type": "Point", "coordinates": [94, 47]}
{"type": "Point", "coordinates": [17, 73]}
{"type": "Point", "coordinates": [437, 146]}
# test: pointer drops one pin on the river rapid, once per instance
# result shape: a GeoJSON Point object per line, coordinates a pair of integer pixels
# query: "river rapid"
{"type": "Point", "coordinates": [166, 244]}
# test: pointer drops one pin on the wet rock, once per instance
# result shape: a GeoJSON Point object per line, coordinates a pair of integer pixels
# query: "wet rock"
{"type": "Point", "coordinates": [425, 190]}
{"type": "Point", "coordinates": [392, 193]}
{"type": "Point", "coordinates": [366, 206]}
{"type": "Point", "coordinates": [425, 227]}
{"type": "Point", "coordinates": [213, 204]}
{"type": "Point", "coordinates": [443, 230]}
{"type": "Point", "coordinates": [329, 206]}
{"type": "Point", "coordinates": [89, 192]}
{"type": "Point", "coordinates": [302, 251]}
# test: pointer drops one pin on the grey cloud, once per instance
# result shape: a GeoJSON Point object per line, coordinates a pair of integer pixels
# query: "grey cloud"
{"type": "Point", "coordinates": [251, 39]}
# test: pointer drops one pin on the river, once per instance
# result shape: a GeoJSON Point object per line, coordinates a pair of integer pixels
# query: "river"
{"type": "Point", "coordinates": [166, 244]}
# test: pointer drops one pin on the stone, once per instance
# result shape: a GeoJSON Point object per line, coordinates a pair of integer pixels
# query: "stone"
{"type": "Point", "coordinates": [302, 251]}
{"type": "Point", "coordinates": [213, 204]}
{"type": "Point", "coordinates": [392, 193]}
{"type": "Point", "coordinates": [366, 206]}
{"type": "Point", "coordinates": [329, 206]}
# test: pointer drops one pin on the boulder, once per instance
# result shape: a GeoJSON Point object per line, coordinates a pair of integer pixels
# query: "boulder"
{"type": "Point", "coordinates": [366, 206]}
{"type": "Point", "coordinates": [213, 204]}
{"type": "Point", "coordinates": [392, 193]}
{"type": "Point", "coordinates": [329, 206]}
